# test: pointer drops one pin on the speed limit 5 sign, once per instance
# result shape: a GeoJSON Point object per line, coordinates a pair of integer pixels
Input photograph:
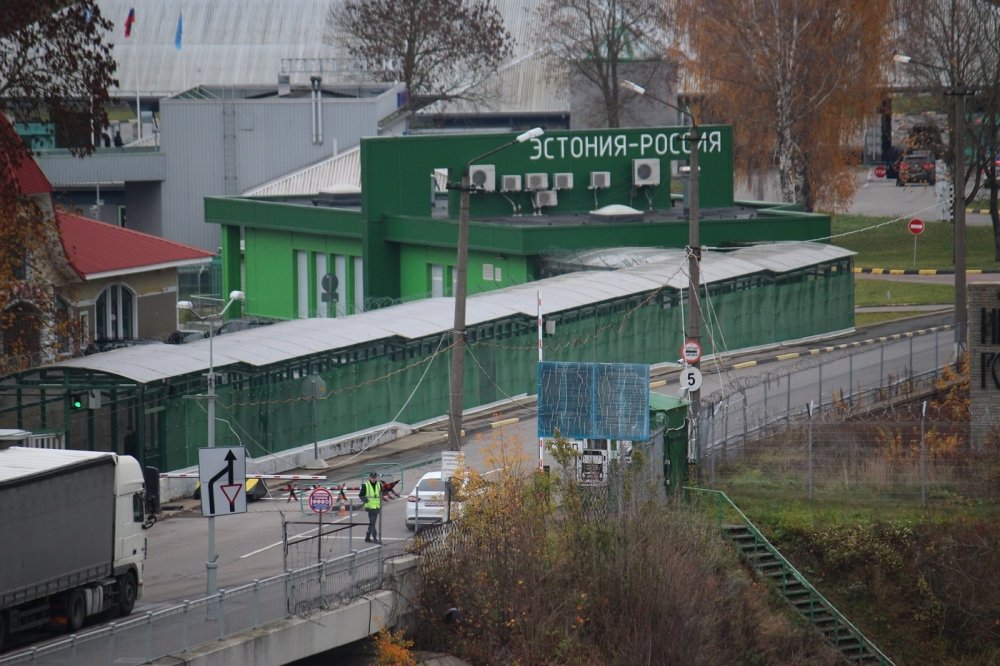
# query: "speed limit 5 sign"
{"type": "Point", "coordinates": [690, 379]}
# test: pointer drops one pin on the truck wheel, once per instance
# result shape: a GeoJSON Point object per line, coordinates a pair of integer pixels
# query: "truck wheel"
{"type": "Point", "coordinates": [128, 591]}
{"type": "Point", "coordinates": [76, 611]}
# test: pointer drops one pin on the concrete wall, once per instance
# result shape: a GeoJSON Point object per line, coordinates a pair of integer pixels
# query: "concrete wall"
{"type": "Point", "coordinates": [226, 146]}
{"type": "Point", "coordinates": [300, 637]}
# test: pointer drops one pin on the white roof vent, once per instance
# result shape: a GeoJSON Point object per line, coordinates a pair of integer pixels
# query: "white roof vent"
{"type": "Point", "coordinates": [616, 213]}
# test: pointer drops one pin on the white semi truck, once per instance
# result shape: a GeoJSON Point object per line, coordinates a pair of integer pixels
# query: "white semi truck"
{"type": "Point", "coordinates": [71, 538]}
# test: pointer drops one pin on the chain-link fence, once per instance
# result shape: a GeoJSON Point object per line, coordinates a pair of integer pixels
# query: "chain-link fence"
{"type": "Point", "coordinates": [851, 423]}
{"type": "Point", "coordinates": [901, 455]}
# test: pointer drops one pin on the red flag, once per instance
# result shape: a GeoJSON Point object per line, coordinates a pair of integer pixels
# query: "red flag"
{"type": "Point", "coordinates": [129, 21]}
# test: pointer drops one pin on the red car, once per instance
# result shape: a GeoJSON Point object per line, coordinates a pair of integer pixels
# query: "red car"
{"type": "Point", "coordinates": [916, 168]}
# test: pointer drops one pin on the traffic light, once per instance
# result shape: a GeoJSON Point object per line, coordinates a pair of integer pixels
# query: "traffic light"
{"type": "Point", "coordinates": [76, 401]}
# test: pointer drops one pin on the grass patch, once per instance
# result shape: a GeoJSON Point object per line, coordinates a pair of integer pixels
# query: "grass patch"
{"type": "Point", "coordinates": [891, 245]}
{"type": "Point", "coordinates": [874, 292]}
{"type": "Point", "coordinates": [864, 319]}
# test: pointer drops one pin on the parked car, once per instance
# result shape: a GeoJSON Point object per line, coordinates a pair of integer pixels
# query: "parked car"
{"type": "Point", "coordinates": [427, 503]}
{"type": "Point", "coordinates": [916, 167]}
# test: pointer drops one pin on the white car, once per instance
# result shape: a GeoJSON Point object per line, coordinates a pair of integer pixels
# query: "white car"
{"type": "Point", "coordinates": [426, 504]}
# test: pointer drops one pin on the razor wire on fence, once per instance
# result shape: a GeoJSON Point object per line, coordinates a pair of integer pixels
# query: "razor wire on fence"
{"type": "Point", "coordinates": [855, 424]}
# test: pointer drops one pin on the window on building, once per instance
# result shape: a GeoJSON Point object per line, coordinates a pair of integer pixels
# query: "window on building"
{"type": "Point", "coordinates": [340, 270]}
{"type": "Point", "coordinates": [323, 308]}
{"type": "Point", "coordinates": [437, 280]}
{"type": "Point", "coordinates": [116, 313]}
{"type": "Point", "coordinates": [302, 283]}
{"type": "Point", "coordinates": [359, 284]}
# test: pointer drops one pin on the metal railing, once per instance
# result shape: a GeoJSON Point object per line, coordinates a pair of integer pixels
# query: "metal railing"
{"type": "Point", "coordinates": [155, 634]}
{"type": "Point", "coordinates": [726, 509]}
{"type": "Point", "coordinates": [870, 373]}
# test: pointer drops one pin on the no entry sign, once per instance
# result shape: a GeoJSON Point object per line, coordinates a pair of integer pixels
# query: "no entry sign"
{"type": "Point", "coordinates": [691, 351]}
{"type": "Point", "coordinates": [916, 226]}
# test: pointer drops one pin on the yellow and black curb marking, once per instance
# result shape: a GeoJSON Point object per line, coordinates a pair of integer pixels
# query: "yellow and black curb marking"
{"type": "Point", "coordinates": [922, 271]}
{"type": "Point", "coordinates": [784, 357]}
{"type": "Point", "coordinates": [847, 345]}
{"type": "Point", "coordinates": [978, 211]}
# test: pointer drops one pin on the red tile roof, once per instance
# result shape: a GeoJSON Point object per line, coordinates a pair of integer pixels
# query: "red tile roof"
{"type": "Point", "coordinates": [19, 165]}
{"type": "Point", "coordinates": [96, 249]}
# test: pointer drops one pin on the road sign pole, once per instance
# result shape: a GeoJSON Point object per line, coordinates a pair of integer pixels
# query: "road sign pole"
{"type": "Point", "coordinates": [914, 251]}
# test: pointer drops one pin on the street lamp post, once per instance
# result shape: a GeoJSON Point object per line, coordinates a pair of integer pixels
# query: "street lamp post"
{"type": "Point", "coordinates": [212, 565]}
{"type": "Point", "coordinates": [694, 251]}
{"type": "Point", "coordinates": [959, 92]}
{"type": "Point", "coordinates": [461, 291]}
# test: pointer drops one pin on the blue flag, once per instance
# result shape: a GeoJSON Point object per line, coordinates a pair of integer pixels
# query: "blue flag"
{"type": "Point", "coordinates": [180, 32]}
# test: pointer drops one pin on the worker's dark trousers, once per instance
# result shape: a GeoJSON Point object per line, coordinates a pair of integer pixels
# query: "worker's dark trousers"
{"type": "Point", "coordinates": [372, 534]}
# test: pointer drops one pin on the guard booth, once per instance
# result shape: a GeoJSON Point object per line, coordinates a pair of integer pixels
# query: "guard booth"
{"type": "Point", "coordinates": [669, 418]}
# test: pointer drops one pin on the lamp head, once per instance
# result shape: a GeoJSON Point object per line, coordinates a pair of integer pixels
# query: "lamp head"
{"type": "Point", "coordinates": [533, 133]}
{"type": "Point", "coordinates": [237, 295]}
{"type": "Point", "coordinates": [899, 57]}
{"type": "Point", "coordinates": [634, 87]}
{"type": "Point", "coordinates": [185, 305]}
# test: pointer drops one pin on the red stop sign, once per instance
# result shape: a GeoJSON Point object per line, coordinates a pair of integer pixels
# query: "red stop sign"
{"type": "Point", "coordinates": [880, 171]}
{"type": "Point", "coordinates": [916, 226]}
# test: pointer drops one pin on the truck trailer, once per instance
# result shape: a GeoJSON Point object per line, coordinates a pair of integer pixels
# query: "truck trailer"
{"type": "Point", "coordinates": [71, 539]}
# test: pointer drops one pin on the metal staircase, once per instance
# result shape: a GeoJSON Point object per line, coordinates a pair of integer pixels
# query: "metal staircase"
{"type": "Point", "coordinates": [786, 580]}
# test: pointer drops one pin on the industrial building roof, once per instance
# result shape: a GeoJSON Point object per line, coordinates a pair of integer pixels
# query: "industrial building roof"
{"type": "Point", "coordinates": [342, 172]}
{"type": "Point", "coordinates": [249, 42]}
{"type": "Point", "coordinates": [285, 341]}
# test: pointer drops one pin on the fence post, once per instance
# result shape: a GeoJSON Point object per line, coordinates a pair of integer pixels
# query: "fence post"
{"type": "Point", "coordinates": [222, 613]}
{"type": "Point", "coordinates": [766, 382]}
{"type": "Point", "coordinates": [710, 450]}
{"type": "Point", "coordinates": [788, 403]}
{"type": "Point", "coordinates": [923, 456]}
{"type": "Point", "coordinates": [149, 636]}
{"type": "Point", "coordinates": [881, 363]}
{"type": "Point", "coordinates": [820, 399]}
{"type": "Point", "coordinates": [746, 425]}
{"type": "Point", "coordinates": [936, 365]}
{"type": "Point", "coordinates": [256, 602]}
{"type": "Point", "coordinates": [912, 373]}
{"type": "Point", "coordinates": [809, 451]}
{"type": "Point", "coordinates": [850, 379]}
{"type": "Point", "coordinates": [185, 637]}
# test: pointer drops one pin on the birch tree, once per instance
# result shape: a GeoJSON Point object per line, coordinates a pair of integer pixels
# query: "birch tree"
{"type": "Point", "coordinates": [954, 49]}
{"type": "Point", "coordinates": [797, 79]}
{"type": "Point", "coordinates": [593, 38]}
{"type": "Point", "coordinates": [439, 48]}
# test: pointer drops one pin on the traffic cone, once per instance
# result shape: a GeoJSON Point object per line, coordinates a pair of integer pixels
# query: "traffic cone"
{"type": "Point", "coordinates": [343, 503]}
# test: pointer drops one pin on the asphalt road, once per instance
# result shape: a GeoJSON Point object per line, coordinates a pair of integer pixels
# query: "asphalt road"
{"type": "Point", "coordinates": [878, 197]}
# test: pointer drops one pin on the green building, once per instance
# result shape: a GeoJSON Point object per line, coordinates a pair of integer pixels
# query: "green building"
{"type": "Point", "coordinates": [552, 218]}
{"type": "Point", "coordinates": [562, 192]}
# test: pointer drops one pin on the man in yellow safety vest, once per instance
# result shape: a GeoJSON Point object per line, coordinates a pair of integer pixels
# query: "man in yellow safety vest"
{"type": "Point", "coordinates": [371, 495]}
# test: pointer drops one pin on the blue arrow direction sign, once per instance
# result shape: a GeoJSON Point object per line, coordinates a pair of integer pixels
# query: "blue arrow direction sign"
{"type": "Point", "coordinates": [222, 471]}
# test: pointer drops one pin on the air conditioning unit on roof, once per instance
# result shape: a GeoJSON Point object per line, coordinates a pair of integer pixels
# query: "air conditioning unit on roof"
{"type": "Point", "coordinates": [510, 184]}
{"type": "Point", "coordinates": [536, 181]}
{"type": "Point", "coordinates": [646, 171]}
{"type": "Point", "coordinates": [546, 198]}
{"type": "Point", "coordinates": [483, 177]}
{"type": "Point", "coordinates": [564, 181]}
{"type": "Point", "coordinates": [600, 180]}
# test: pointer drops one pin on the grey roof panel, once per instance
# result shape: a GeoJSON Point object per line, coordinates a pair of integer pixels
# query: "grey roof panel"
{"type": "Point", "coordinates": [284, 341]}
